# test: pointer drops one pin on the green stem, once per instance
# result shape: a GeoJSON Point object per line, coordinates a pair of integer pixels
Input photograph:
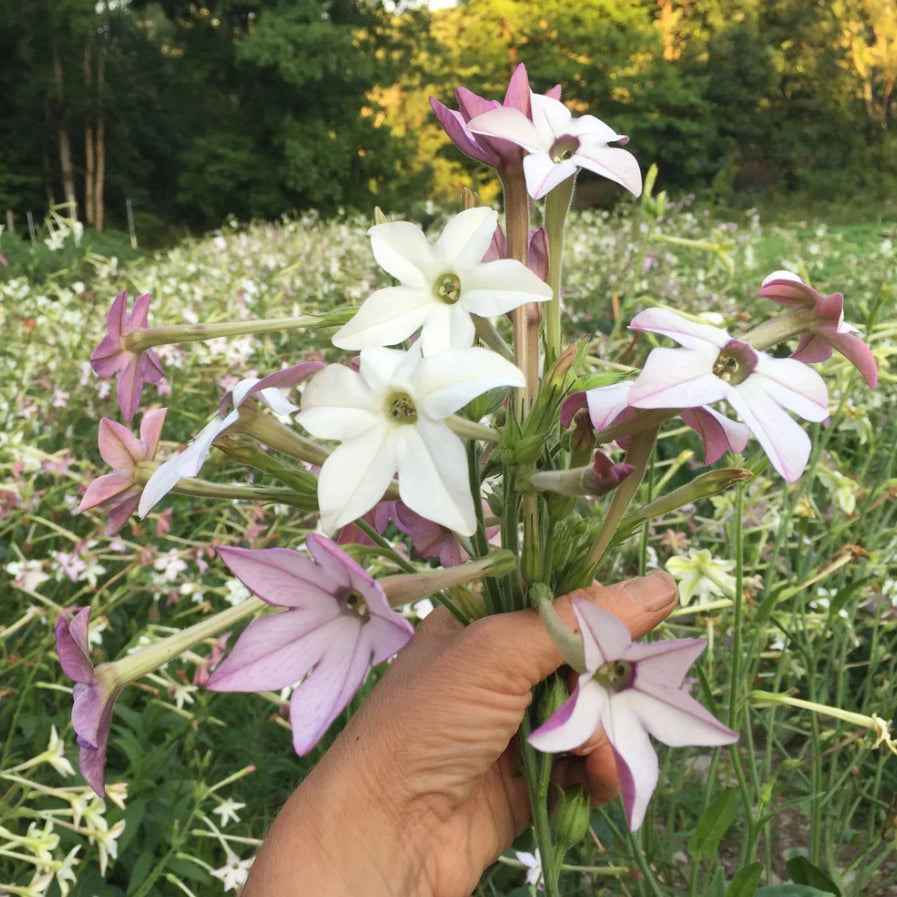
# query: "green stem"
{"type": "Point", "coordinates": [556, 205]}
{"type": "Point", "coordinates": [141, 340]}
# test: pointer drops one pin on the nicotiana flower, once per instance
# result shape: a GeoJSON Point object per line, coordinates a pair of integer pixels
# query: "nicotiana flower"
{"type": "Point", "coordinates": [190, 461]}
{"type": "Point", "coordinates": [336, 625]}
{"type": "Point", "coordinates": [120, 490]}
{"type": "Point", "coordinates": [112, 355]}
{"type": "Point", "coordinates": [440, 285]}
{"type": "Point", "coordinates": [828, 330]}
{"type": "Point", "coordinates": [712, 366]}
{"type": "Point", "coordinates": [609, 405]}
{"type": "Point", "coordinates": [558, 144]}
{"type": "Point", "coordinates": [632, 691]}
{"type": "Point", "coordinates": [390, 417]}
{"type": "Point", "coordinates": [702, 575]}
{"type": "Point", "coordinates": [493, 152]}
{"type": "Point", "coordinates": [94, 697]}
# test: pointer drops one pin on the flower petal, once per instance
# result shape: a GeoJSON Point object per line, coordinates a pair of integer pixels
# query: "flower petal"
{"type": "Point", "coordinates": [337, 404]}
{"type": "Point", "coordinates": [433, 477]}
{"type": "Point", "coordinates": [119, 447]}
{"type": "Point", "coordinates": [687, 333]}
{"type": "Point", "coordinates": [604, 637]}
{"type": "Point", "coordinates": [677, 378]}
{"type": "Point", "coordinates": [793, 384]}
{"type": "Point", "coordinates": [511, 124]}
{"type": "Point", "coordinates": [543, 174]}
{"type": "Point", "coordinates": [497, 287]}
{"type": "Point", "coordinates": [465, 239]}
{"type": "Point", "coordinates": [355, 476]}
{"type": "Point", "coordinates": [575, 721]}
{"type": "Point", "coordinates": [387, 317]}
{"type": "Point", "coordinates": [402, 250]}
{"type": "Point", "coordinates": [72, 646]}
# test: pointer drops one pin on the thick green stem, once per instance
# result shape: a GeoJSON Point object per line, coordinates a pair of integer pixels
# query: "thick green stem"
{"type": "Point", "coordinates": [556, 205]}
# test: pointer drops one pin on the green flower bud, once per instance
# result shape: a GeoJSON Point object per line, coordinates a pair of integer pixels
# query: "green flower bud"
{"type": "Point", "coordinates": [569, 819]}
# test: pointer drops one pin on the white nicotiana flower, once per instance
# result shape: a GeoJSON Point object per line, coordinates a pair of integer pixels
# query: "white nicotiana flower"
{"type": "Point", "coordinates": [700, 574]}
{"type": "Point", "coordinates": [228, 809]}
{"type": "Point", "coordinates": [390, 418]}
{"type": "Point", "coordinates": [440, 285]}
{"type": "Point", "coordinates": [234, 872]}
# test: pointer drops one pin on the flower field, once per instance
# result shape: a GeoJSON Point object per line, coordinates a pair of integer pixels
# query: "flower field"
{"type": "Point", "coordinates": [194, 777]}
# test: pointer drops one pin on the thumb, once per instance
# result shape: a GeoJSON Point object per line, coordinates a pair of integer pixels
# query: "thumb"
{"type": "Point", "coordinates": [526, 652]}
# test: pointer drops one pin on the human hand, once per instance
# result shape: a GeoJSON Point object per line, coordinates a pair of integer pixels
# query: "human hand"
{"type": "Point", "coordinates": [418, 795]}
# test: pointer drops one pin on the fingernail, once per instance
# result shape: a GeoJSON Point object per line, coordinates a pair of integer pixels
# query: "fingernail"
{"type": "Point", "coordinates": [653, 592]}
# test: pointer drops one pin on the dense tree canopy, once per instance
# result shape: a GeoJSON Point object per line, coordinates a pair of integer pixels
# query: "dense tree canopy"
{"type": "Point", "coordinates": [194, 110]}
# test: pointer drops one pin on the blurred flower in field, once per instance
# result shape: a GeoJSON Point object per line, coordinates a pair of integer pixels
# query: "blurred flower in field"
{"type": "Point", "coordinates": [120, 490]}
{"type": "Point", "coordinates": [26, 575]}
{"type": "Point", "coordinates": [494, 152]}
{"type": "Point", "coordinates": [842, 489]}
{"type": "Point", "coordinates": [712, 366]}
{"type": "Point", "coordinates": [227, 809]}
{"type": "Point", "coordinates": [440, 285]}
{"type": "Point", "coordinates": [631, 691]}
{"type": "Point", "coordinates": [390, 416]}
{"type": "Point", "coordinates": [234, 872]}
{"type": "Point", "coordinates": [700, 574]}
{"type": "Point", "coordinates": [828, 330]}
{"type": "Point", "coordinates": [558, 144]}
{"type": "Point", "coordinates": [113, 355]}
{"type": "Point", "coordinates": [336, 625]}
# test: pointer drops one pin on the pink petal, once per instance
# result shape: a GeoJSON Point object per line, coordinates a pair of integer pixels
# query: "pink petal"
{"type": "Point", "coordinates": [151, 431]}
{"type": "Point", "coordinates": [718, 432]}
{"type": "Point", "coordinates": [106, 489]}
{"type": "Point", "coordinates": [513, 125]}
{"type": "Point", "coordinates": [73, 648]}
{"type": "Point", "coordinates": [613, 163]}
{"type": "Point", "coordinates": [812, 349]}
{"type": "Point", "coordinates": [665, 661]}
{"type": "Point", "coordinates": [604, 637]}
{"type": "Point", "coordinates": [119, 447]}
{"type": "Point", "coordinates": [858, 354]}
{"type": "Point", "coordinates": [687, 333]}
{"type": "Point", "coordinates": [454, 125]}
{"type": "Point", "coordinates": [792, 384]}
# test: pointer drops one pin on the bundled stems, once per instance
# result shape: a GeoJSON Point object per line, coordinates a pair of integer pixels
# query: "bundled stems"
{"type": "Point", "coordinates": [556, 205]}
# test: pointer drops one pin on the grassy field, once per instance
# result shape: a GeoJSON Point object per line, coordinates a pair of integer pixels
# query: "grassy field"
{"type": "Point", "coordinates": [196, 776]}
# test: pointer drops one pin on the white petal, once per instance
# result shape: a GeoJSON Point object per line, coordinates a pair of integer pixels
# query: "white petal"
{"type": "Point", "coordinates": [446, 382]}
{"type": "Point", "coordinates": [387, 317]}
{"type": "Point", "coordinates": [543, 174]}
{"type": "Point", "coordinates": [355, 476]}
{"type": "Point", "coordinates": [607, 402]}
{"type": "Point", "coordinates": [338, 404]}
{"type": "Point", "coordinates": [402, 249]}
{"type": "Point", "coordinates": [381, 368]}
{"type": "Point", "coordinates": [449, 327]}
{"type": "Point", "coordinates": [688, 333]}
{"type": "Point", "coordinates": [677, 378]}
{"type": "Point", "coordinates": [465, 239]}
{"type": "Point", "coordinates": [497, 287]}
{"type": "Point", "coordinates": [511, 124]}
{"type": "Point", "coordinates": [636, 760]}
{"type": "Point", "coordinates": [795, 385]}
{"type": "Point", "coordinates": [782, 438]}
{"type": "Point", "coordinates": [551, 117]}
{"type": "Point", "coordinates": [575, 721]}
{"type": "Point", "coordinates": [673, 716]}
{"type": "Point", "coordinates": [433, 477]}
{"type": "Point", "coordinates": [592, 129]}
{"type": "Point", "coordinates": [613, 163]}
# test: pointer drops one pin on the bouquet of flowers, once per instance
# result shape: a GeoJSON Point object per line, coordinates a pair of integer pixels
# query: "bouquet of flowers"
{"type": "Point", "coordinates": [483, 461]}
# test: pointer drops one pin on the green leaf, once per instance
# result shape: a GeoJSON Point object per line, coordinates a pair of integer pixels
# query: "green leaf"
{"type": "Point", "coordinates": [712, 825]}
{"type": "Point", "coordinates": [790, 890]}
{"type": "Point", "coordinates": [744, 882]}
{"type": "Point", "coordinates": [804, 872]}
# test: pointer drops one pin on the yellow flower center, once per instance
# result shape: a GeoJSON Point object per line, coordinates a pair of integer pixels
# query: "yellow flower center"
{"type": "Point", "coordinates": [447, 288]}
{"type": "Point", "coordinates": [616, 675]}
{"type": "Point", "coordinates": [354, 602]}
{"type": "Point", "coordinates": [563, 149]}
{"type": "Point", "coordinates": [735, 363]}
{"type": "Point", "coordinates": [400, 408]}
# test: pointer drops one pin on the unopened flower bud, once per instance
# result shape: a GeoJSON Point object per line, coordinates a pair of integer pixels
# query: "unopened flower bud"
{"type": "Point", "coordinates": [554, 695]}
{"type": "Point", "coordinates": [570, 817]}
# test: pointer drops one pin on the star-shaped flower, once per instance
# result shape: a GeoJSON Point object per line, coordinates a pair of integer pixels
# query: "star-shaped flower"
{"type": "Point", "coordinates": [337, 624]}
{"type": "Point", "coordinates": [390, 417]}
{"type": "Point", "coordinates": [113, 356]}
{"type": "Point", "coordinates": [632, 691]}
{"type": "Point", "coordinates": [558, 144]}
{"type": "Point", "coordinates": [712, 366]}
{"type": "Point", "coordinates": [828, 330]}
{"type": "Point", "coordinates": [124, 452]}
{"type": "Point", "coordinates": [440, 285]}
{"type": "Point", "coordinates": [94, 697]}
{"type": "Point", "coordinates": [702, 575]}
{"type": "Point", "coordinates": [493, 152]}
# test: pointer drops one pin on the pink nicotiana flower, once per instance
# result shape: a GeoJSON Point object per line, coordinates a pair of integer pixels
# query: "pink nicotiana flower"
{"type": "Point", "coordinates": [120, 490]}
{"type": "Point", "coordinates": [94, 697]}
{"type": "Point", "coordinates": [440, 285]}
{"type": "Point", "coordinates": [828, 330]}
{"type": "Point", "coordinates": [390, 419]}
{"type": "Point", "coordinates": [190, 461]}
{"type": "Point", "coordinates": [609, 405]}
{"type": "Point", "coordinates": [558, 144]}
{"type": "Point", "coordinates": [337, 623]}
{"type": "Point", "coordinates": [494, 152]}
{"type": "Point", "coordinates": [632, 691]}
{"type": "Point", "coordinates": [711, 366]}
{"type": "Point", "coordinates": [112, 355]}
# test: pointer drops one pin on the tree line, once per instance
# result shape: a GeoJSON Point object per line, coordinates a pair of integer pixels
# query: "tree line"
{"type": "Point", "coordinates": [192, 111]}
